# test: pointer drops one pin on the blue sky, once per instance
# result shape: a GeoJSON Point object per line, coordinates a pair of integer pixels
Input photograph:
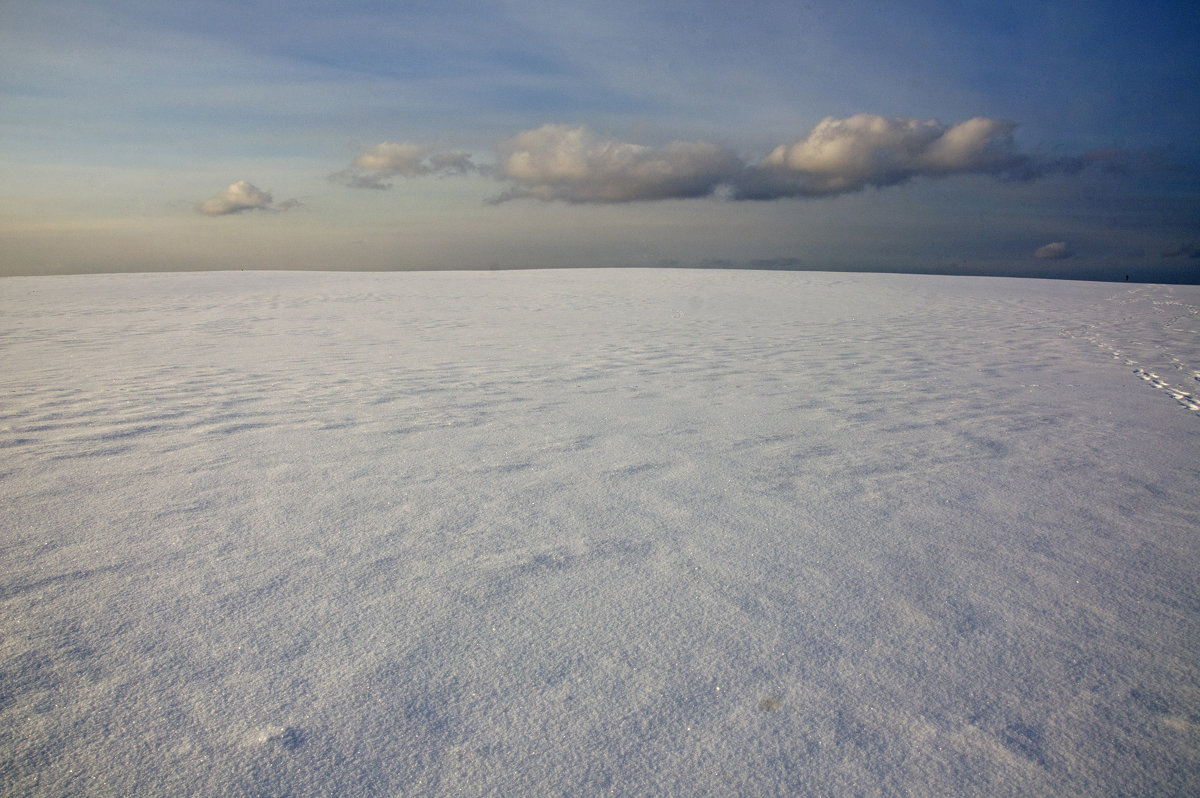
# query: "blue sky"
{"type": "Point", "coordinates": [964, 136]}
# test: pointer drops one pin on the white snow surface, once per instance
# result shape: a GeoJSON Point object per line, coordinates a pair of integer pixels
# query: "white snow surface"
{"type": "Point", "coordinates": [589, 532]}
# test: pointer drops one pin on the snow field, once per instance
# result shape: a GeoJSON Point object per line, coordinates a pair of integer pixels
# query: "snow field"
{"type": "Point", "coordinates": [598, 532]}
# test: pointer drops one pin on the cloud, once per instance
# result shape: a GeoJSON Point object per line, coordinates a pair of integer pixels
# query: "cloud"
{"type": "Point", "coordinates": [243, 196]}
{"type": "Point", "coordinates": [387, 160]}
{"type": "Point", "coordinates": [573, 164]}
{"type": "Point", "coordinates": [576, 165]}
{"type": "Point", "coordinates": [845, 155]}
{"type": "Point", "coordinates": [1187, 250]}
{"type": "Point", "coordinates": [1054, 251]}
{"type": "Point", "coordinates": [391, 158]}
{"type": "Point", "coordinates": [455, 162]}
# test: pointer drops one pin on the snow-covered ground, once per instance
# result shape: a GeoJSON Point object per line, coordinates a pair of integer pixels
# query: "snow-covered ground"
{"type": "Point", "coordinates": [598, 531]}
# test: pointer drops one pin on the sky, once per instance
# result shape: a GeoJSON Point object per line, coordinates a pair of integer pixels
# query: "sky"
{"type": "Point", "coordinates": [1030, 138]}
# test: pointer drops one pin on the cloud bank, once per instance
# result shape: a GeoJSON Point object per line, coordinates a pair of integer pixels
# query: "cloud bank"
{"type": "Point", "coordinates": [377, 166]}
{"type": "Point", "coordinates": [573, 164]}
{"type": "Point", "coordinates": [839, 156]}
{"type": "Point", "coordinates": [576, 165]}
{"type": "Point", "coordinates": [240, 197]}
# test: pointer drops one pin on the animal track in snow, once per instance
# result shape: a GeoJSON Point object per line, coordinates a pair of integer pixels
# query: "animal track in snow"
{"type": "Point", "coordinates": [1156, 341]}
{"type": "Point", "coordinates": [1184, 398]}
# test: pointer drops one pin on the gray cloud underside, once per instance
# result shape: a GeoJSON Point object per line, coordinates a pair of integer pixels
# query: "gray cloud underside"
{"type": "Point", "coordinates": [839, 156]}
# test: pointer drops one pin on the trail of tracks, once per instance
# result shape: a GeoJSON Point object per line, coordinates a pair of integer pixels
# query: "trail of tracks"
{"type": "Point", "coordinates": [1159, 344]}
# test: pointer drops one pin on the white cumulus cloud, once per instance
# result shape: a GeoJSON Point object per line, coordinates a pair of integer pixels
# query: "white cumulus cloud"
{"type": "Point", "coordinates": [393, 159]}
{"type": "Point", "coordinates": [574, 164]}
{"type": "Point", "coordinates": [387, 160]}
{"type": "Point", "coordinates": [239, 197]}
{"type": "Point", "coordinates": [1056, 250]}
{"type": "Point", "coordinates": [844, 155]}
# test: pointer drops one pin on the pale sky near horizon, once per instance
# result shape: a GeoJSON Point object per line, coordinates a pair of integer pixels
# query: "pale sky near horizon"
{"type": "Point", "coordinates": [1034, 138]}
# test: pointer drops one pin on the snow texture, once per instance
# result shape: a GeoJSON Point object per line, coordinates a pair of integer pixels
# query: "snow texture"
{"type": "Point", "coordinates": [591, 532]}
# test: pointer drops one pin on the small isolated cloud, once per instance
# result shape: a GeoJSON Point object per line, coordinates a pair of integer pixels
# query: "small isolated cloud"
{"type": "Point", "coordinates": [1187, 250]}
{"type": "Point", "coordinates": [243, 196]}
{"type": "Point", "coordinates": [845, 155]}
{"type": "Point", "coordinates": [377, 166]}
{"type": "Point", "coordinates": [573, 164]}
{"type": "Point", "coordinates": [1053, 251]}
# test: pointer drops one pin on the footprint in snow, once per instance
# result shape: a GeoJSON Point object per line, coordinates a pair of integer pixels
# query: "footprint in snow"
{"type": "Point", "coordinates": [288, 738]}
{"type": "Point", "coordinates": [1182, 397]}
